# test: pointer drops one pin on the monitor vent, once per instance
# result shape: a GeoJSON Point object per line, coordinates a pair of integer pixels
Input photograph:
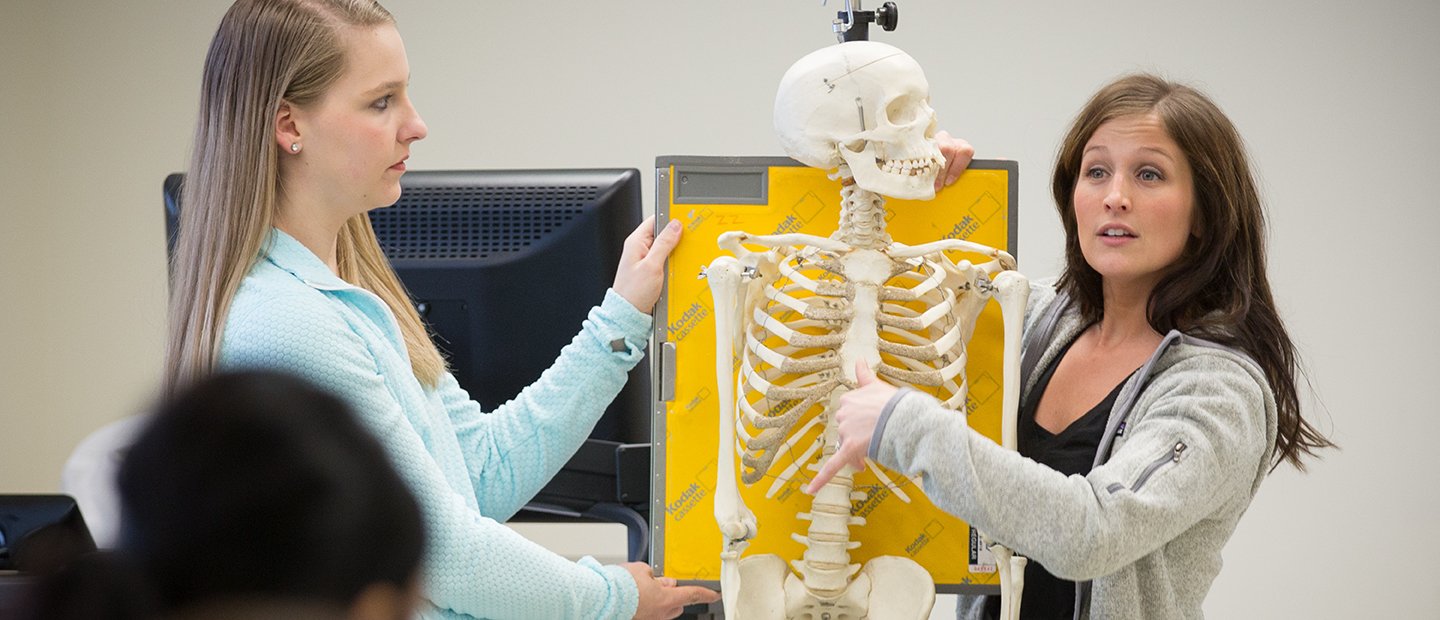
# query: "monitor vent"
{"type": "Point", "coordinates": [475, 222]}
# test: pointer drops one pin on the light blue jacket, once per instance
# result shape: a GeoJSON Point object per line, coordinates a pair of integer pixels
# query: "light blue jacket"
{"type": "Point", "coordinates": [470, 470]}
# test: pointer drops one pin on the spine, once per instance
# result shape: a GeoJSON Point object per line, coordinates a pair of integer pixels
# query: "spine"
{"type": "Point", "coordinates": [862, 219]}
{"type": "Point", "coordinates": [826, 567]}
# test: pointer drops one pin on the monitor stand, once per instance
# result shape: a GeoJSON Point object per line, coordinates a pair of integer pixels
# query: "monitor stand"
{"type": "Point", "coordinates": [604, 481]}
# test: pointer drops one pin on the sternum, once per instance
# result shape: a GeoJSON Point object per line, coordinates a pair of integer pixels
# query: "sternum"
{"type": "Point", "coordinates": [867, 271]}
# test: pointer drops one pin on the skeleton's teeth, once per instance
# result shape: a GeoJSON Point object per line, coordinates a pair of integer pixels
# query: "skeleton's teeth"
{"type": "Point", "coordinates": [908, 167]}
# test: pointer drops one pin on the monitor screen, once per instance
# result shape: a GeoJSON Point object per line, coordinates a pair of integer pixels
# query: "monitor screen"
{"type": "Point", "coordinates": [503, 266]}
{"type": "Point", "coordinates": [41, 533]}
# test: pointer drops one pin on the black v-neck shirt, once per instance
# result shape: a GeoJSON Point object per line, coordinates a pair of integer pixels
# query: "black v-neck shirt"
{"type": "Point", "coordinates": [1070, 452]}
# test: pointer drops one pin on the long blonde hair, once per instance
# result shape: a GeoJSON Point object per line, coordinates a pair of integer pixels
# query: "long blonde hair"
{"type": "Point", "coordinates": [264, 51]}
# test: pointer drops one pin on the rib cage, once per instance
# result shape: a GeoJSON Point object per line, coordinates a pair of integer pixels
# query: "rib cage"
{"type": "Point", "coordinates": [790, 365]}
{"type": "Point", "coordinates": [798, 316]}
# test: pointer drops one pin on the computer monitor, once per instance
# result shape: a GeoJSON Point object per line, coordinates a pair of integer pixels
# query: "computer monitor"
{"type": "Point", "coordinates": [41, 533]}
{"type": "Point", "coordinates": [504, 266]}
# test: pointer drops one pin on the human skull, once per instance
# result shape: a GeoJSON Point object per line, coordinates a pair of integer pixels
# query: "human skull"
{"type": "Point", "coordinates": [866, 104]}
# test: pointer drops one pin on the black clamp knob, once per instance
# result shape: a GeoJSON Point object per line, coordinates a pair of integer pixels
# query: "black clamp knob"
{"type": "Point", "coordinates": [854, 25]}
{"type": "Point", "coordinates": [887, 16]}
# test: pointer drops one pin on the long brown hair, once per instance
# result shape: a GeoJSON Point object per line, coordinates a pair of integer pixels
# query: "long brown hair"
{"type": "Point", "coordinates": [263, 53]}
{"type": "Point", "coordinates": [1218, 289]}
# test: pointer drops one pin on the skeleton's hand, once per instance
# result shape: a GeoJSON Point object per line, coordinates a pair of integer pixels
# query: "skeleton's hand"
{"type": "Point", "coordinates": [958, 154]}
{"type": "Point", "coordinates": [642, 264]}
{"type": "Point", "coordinates": [855, 418]}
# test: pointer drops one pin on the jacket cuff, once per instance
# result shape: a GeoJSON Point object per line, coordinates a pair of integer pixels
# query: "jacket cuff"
{"type": "Point", "coordinates": [627, 594]}
{"type": "Point", "coordinates": [885, 413]}
{"type": "Point", "coordinates": [906, 420]}
{"type": "Point", "coordinates": [620, 327]}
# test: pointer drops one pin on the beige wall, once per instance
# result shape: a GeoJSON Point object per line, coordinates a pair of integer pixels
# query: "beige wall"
{"type": "Point", "coordinates": [101, 108]}
{"type": "Point", "coordinates": [1335, 98]}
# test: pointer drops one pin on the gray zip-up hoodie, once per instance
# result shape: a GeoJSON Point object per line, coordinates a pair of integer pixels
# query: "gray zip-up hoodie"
{"type": "Point", "coordinates": [1189, 440]}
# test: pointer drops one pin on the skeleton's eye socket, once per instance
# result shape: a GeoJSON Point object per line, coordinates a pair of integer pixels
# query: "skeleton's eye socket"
{"type": "Point", "coordinates": [902, 110]}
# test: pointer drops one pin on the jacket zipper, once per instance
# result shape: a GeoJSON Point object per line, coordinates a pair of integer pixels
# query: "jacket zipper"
{"type": "Point", "coordinates": [1173, 456]}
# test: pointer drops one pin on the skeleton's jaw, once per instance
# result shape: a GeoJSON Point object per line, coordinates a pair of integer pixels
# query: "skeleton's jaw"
{"type": "Point", "coordinates": [906, 178]}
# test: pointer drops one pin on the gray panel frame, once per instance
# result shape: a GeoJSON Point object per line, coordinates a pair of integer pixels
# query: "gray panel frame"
{"type": "Point", "coordinates": [663, 365]}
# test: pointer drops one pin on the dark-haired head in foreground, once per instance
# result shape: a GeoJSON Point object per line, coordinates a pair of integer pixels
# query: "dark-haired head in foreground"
{"type": "Point", "coordinates": [256, 494]}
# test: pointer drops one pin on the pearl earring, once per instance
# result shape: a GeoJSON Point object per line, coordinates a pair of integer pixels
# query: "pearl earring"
{"type": "Point", "coordinates": [294, 147]}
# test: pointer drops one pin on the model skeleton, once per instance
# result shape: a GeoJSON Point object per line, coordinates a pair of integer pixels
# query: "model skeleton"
{"type": "Point", "coordinates": [797, 311]}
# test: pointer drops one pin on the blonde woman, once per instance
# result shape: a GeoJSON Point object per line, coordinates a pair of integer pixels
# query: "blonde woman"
{"type": "Point", "coordinates": [305, 125]}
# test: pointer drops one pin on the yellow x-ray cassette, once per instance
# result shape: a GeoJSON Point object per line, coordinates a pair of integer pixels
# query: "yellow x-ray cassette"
{"type": "Point", "coordinates": [769, 195]}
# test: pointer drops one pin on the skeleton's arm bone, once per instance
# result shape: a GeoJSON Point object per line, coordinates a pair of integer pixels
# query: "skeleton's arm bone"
{"type": "Point", "coordinates": [1002, 566]}
{"type": "Point", "coordinates": [737, 524]}
{"type": "Point", "coordinates": [1017, 583]}
{"type": "Point", "coordinates": [735, 520]}
{"type": "Point", "coordinates": [1012, 291]}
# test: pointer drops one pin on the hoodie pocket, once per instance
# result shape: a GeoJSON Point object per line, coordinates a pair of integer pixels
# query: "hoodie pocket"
{"type": "Point", "coordinates": [1172, 456]}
